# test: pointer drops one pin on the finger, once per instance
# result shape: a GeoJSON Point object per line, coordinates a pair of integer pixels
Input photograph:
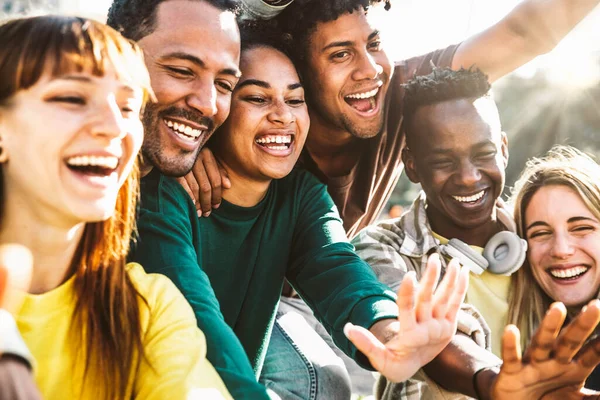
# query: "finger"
{"type": "Point", "coordinates": [545, 336]}
{"type": "Point", "coordinates": [205, 188]}
{"type": "Point", "coordinates": [444, 291]}
{"type": "Point", "coordinates": [406, 301]}
{"type": "Point", "coordinates": [367, 343]}
{"type": "Point", "coordinates": [458, 295]}
{"type": "Point", "coordinates": [576, 333]}
{"type": "Point", "coordinates": [511, 350]}
{"type": "Point", "coordinates": [184, 183]}
{"type": "Point", "coordinates": [426, 288]}
{"type": "Point", "coordinates": [214, 176]}
{"type": "Point", "coordinates": [589, 356]}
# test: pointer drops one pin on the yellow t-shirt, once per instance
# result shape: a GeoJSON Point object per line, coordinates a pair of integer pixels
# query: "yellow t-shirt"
{"type": "Point", "coordinates": [174, 346]}
{"type": "Point", "coordinates": [489, 294]}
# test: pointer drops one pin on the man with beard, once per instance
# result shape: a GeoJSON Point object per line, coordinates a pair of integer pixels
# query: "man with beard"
{"type": "Point", "coordinates": [192, 51]}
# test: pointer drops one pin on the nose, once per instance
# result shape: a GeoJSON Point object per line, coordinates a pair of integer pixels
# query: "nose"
{"type": "Point", "coordinates": [203, 98]}
{"type": "Point", "coordinates": [367, 67]}
{"type": "Point", "coordinates": [281, 114]}
{"type": "Point", "coordinates": [469, 174]}
{"type": "Point", "coordinates": [109, 119]}
{"type": "Point", "coordinates": [562, 247]}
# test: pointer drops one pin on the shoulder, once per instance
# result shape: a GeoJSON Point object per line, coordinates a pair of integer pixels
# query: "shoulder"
{"type": "Point", "coordinates": [160, 193]}
{"type": "Point", "coordinates": [157, 290]}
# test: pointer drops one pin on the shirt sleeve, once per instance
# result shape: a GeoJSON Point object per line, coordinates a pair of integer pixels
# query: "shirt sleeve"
{"type": "Point", "coordinates": [175, 364]}
{"type": "Point", "coordinates": [326, 272]}
{"type": "Point", "coordinates": [379, 246]}
{"type": "Point", "coordinates": [168, 241]}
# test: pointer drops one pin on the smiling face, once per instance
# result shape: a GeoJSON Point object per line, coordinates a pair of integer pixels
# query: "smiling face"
{"type": "Point", "coordinates": [563, 236]}
{"type": "Point", "coordinates": [71, 142]}
{"type": "Point", "coordinates": [458, 153]}
{"type": "Point", "coordinates": [348, 75]}
{"type": "Point", "coordinates": [192, 56]}
{"type": "Point", "coordinates": [264, 135]}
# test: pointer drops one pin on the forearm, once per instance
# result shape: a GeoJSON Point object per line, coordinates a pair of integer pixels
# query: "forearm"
{"type": "Point", "coordinates": [456, 365]}
{"type": "Point", "coordinates": [543, 23]}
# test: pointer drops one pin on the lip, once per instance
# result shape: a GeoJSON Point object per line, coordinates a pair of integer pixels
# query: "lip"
{"type": "Point", "coordinates": [472, 205]}
{"type": "Point", "coordinates": [366, 90]}
{"type": "Point", "coordinates": [290, 132]}
{"type": "Point", "coordinates": [193, 125]}
{"type": "Point", "coordinates": [571, 281]}
{"type": "Point", "coordinates": [190, 144]}
{"type": "Point", "coordinates": [371, 113]}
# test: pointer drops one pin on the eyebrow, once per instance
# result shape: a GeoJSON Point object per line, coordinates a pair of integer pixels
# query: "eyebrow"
{"type": "Point", "coordinates": [476, 146]}
{"type": "Point", "coordinates": [78, 78]}
{"type": "Point", "coordinates": [198, 62]}
{"type": "Point", "coordinates": [265, 85]}
{"type": "Point", "coordinates": [348, 43]}
{"type": "Point", "coordinates": [569, 221]}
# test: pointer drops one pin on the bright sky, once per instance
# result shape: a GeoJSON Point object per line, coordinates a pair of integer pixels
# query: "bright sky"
{"type": "Point", "coordinates": [414, 27]}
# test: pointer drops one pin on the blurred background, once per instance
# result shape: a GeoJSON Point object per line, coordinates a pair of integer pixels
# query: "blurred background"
{"type": "Point", "coordinates": [553, 99]}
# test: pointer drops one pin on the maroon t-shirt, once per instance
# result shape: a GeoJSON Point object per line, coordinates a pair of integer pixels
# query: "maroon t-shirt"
{"type": "Point", "coordinates": [361, 195]}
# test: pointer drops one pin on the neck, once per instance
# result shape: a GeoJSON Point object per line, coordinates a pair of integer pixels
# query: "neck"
{"type": "Point", "coordinates": [244, 192]}
{"type": "Point", "coordinates": [52, 246]}
{"type": "Point", "coordinates": [334, 150]}
{"type": "Point", "coordinates": [478, 236]}
{"type": "Point", "coordinates": [145, 167]}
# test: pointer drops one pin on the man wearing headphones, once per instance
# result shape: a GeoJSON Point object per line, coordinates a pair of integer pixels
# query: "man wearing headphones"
{"type": "Point", "coordinates": [458, 153]}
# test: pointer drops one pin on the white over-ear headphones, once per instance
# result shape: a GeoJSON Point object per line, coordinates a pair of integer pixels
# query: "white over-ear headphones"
{"type": "Point", "coordinates": [503, 254]}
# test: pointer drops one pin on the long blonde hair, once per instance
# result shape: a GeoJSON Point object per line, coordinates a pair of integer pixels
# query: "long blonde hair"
{"type": "Point", "coordinates": [106, 317]}
{"type": "Point", "coordinates": [565, 166]}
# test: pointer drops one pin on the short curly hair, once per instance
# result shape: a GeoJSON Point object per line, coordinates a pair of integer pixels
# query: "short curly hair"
{"type": "Point", "coordinates": [441, 85]}
{"type": "Point", "coordinates": [300, 18]}
{"type": "Point", "coordinates": [136, 19]}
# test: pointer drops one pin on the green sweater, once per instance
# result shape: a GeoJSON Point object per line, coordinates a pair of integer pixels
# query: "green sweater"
{"type": "Point", "coordinates": [295, 232]}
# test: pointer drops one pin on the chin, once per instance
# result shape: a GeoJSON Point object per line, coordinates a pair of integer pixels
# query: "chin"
{"type": "Point", "coordinates": [96, 211]}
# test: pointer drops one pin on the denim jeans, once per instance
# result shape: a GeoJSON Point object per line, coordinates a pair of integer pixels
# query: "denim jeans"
{"type": "Point", "coordinates": [299, 365]}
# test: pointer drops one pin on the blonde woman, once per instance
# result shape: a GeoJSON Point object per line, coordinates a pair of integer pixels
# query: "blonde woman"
{"type": "Point", "coordinates": [71, 94]}
{"type": "Point", "coordinates": [556, 205]}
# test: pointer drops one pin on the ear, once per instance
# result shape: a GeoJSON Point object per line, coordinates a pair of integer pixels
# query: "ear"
{"type": "Point", "coordinates": [408, 158]}
{"type": "Point", "coordinates": [504, 148]}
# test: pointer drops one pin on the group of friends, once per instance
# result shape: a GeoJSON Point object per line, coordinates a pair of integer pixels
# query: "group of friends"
{"type": "Point", "coordinates": [190, 198]}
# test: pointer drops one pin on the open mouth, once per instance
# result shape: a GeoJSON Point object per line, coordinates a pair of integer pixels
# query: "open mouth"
{"type": "Point", "coordinates": [471, 199]}
{"type": "Point", "coordinates": [364, 102]}
{"type": "Point", "coordinates": [184, 131]}
{"type": "Point", "coordinates": [568, 274]}
{"type": "Point", "coordinates": [275, 142]}
{"type": "Point", "coordinates": [99, 166]}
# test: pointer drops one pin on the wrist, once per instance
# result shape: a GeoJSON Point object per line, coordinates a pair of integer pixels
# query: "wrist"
{"type": "Point", "coordinates": [483, 380]}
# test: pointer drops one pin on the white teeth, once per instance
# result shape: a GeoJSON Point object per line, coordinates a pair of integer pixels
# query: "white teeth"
{"type": "Point", "coordinates": [184, 129]}
{"type": "Point", "coordinates": [365, 95]}
{"type": "Point", "coordinates": [567, 273]}
{"type": "Point", "coordinates": [469, 199]}
{"type": "Point", "coordinates": [94, 161]}
{"type": "Point", "coordinates": [274, 139]}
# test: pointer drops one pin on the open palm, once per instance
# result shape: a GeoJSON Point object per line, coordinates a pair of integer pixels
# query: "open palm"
{"type": "Point", "coordinates": [426, 322]}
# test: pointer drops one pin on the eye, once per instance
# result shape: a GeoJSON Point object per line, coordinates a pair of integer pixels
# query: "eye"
{"type": "Point", "coordinates": [486, 155]}
{"type": "Point", "coordinates": [538, 234]}
{"type": "Point", "coordinates": [376, 45]}
{"type": "Point", "coordinates": [441, 164]}
{"type": "Point", "coordinates": [340, 55]}
{"type": "Point", "coordinates": [228, 87]}
{"type": "Point", "coordinates": [296, 102]}
{"type": "Point", "coordinates": [583, 229]}
{"type": "Point", "coordinates": [255, 99]}
{"type": "Point", "coordinates": [78, 100]}
{"type": "Point", "coordinates": [180, 72]}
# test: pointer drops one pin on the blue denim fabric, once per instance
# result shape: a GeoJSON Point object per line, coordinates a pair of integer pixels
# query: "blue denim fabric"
{"type": "Point", "coordinates": [299, 365]}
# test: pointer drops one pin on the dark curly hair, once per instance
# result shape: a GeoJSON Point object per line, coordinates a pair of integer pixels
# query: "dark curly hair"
{"type": "Point", "coordinates": [301, 17]}
{"type": "Point", "coordinates": [136, 19]}
{"type": "Point", "coordinates": [441, 85]}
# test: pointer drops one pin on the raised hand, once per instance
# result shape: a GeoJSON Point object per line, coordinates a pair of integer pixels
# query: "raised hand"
{"type": "Point", "coordinates": [426, 322]}
{"type": "Point", "coordinates": [555, 365]}
{"type": "Point", "coordinates": [16, 263]}
{"type": "Point", "coordinates": [205, 183]}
